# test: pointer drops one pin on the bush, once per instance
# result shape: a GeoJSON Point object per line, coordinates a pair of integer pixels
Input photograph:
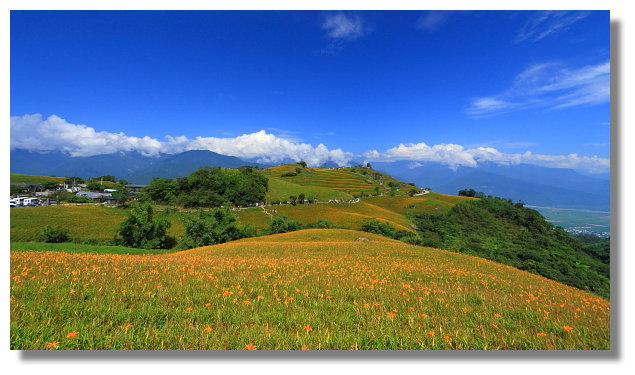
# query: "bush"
{"type": "Point", "coordinates": [54, 234]}
{"type": "Point", "coordinates": [140, 230]}
{"type": "Point", "coordinates": [322, 223]}
{"type": "Point", "coordinates": [282, 224]}
{"type": "Point", "coordinates": [210, 228]}
{"type": "Point", "coordinates": [289, 174]}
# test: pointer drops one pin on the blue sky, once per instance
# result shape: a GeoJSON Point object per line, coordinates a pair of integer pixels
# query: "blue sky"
{"type": "Point", "coordinates": [456, 87]}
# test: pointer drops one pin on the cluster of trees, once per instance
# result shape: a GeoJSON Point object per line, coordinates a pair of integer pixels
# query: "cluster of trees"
{"type": "Point", "coordinates": [145, 230]}
{"type": "Point", "coordinates": [509, 233]}
{"type": "Point", "coordinates": [210, 187]}
{"type": "Point", "coordinates": [471, 193]}
{"type": "Point", "coordinates": [298, 170]}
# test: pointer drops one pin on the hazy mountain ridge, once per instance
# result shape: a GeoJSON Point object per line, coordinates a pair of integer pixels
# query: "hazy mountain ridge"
{"type": "Point", "coordinates": [531, 184]}
{"type": "Point", "coordinates": [131, 166]}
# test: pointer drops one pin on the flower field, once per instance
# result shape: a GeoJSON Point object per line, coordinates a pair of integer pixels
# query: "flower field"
{"type": "Point", "coordinates": [311, 289]}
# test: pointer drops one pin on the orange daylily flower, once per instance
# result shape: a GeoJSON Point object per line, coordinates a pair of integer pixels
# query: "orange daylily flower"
{"type": "Point", "coordinates": [250, 346]}
{"type": "Point", "coordinates": [207, 329]}
{"type": "Point", "coordinates": [541, 334]}
{"type": "Point", "coordinates": [307, 327]}
{"type": "Point", "coordinates": [431, 334]}
{"type": "Point", "coordinates": [126, 326]}
{"type": "Point", "coordinates": [567, 328]}
{"type": "Point", "coordinates": [70, 335]}
{"type": "Point", "coordinates": [52, 344]}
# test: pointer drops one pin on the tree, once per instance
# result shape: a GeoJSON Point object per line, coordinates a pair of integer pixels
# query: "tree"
{"type": "Point", "coordinates": [52, 234]}
{"type": "Point", "coordinates": [59, 196]}
{"type": "Point", "coordinates": [282, 224]}
{"type": "Point", "coordinates": [74, 180]}
{"type": "Point", "coordinates": [107, 177]}
{"type": "Point", "coordinates": [301, 198]}
{"type": "Point", "coordinates": [413, 191]}
{"type": "Point", "coordinates": [467, 193]}
{"type": "Point", "coordinates": [368, 166]}
{"type": "Point", "coordinates": [302, 163]}
{"type": "Point", "coordinates": [51, 185]}
{"type": "Point", "coordinates": [95, 186]}
{"type": "Point", "coordinates": [141, 230]}
{"type": "Point", "coordinates": [293, 199]}
{"type": "Point", "coordinates": [210, 228]}
{"type": "Point", "coordinates": [162, 190]}
{"type": "Point", "coordinates": [121, 195]}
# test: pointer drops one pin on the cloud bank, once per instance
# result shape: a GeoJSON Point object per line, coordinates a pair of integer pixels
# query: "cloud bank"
{"type": "Point", "coordinates": [34, 133]}
{"type": "Point", "coordinates": [38, 134]}
{"type": "Point", "coordinates": [548, 86]}
{"type": "Point", "coordinates": [455, 156]}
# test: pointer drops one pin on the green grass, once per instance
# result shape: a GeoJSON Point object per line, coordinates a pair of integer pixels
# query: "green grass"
{"type": "Point", "coordinates": [69, 247]}
{"type": "Point", "coordinates": [31, 179]}
{"type": "Point", "coordinates": [313, 289]}
{"type": "Point", "coordinates": [83, 221]}
{"type": "Point", "coordinates": [280, 190]}
{"type": "Point", "coordinates": [348, 180]}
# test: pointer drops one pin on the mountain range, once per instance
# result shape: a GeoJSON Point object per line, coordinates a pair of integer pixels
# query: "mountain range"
{"type": "Point", "coordinates": [530, 184]}
{"type": "Point", "coordinates": [130, 166]}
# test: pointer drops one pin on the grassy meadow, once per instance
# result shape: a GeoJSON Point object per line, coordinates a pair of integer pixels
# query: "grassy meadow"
{"type": "Point", "coordinates": [101, 223]}
{"type": "Point", "coordinates": [311, 289]}
{"type": "Point", "coordinates": [31, 179]}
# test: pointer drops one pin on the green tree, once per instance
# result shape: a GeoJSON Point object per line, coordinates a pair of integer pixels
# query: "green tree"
{"type": "Point", "coordinates": [210, 228]}
{"type": "Point", "coordinates": [302, 163]}
{"type": "Point", "coordinates": [107, 177]}
{"type": "Point", "coordinates": [121, 195]}
{"type": "Point", "coordinates": [282, 224]}
{"type": "Point", "coordinates": [141, 230]}
{"type": "Point", "coordinates": [162, 190]}
{"type": "Point", "coordinates": [95, 186]}
{"type": "Point", "coordinates": [74, 180]}
{"type": "Point", "coordinates": [51, 185]}
{"type": "Point", "coordinates": [413, 191]}
{"type": "Point", "coordinates": [53, 234]}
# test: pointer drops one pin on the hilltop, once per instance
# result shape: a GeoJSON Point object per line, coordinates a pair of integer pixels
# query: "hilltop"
{"type": "Point", "coordinates": [311, 289]}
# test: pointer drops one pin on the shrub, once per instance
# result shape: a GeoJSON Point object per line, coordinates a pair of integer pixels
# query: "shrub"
{"type": "Point", "coordinates": [53, 234]}
{"type": "Point", "coordinates": [322, 223]}
{"type": "Point", "coordinates": [210, 228]}
{"type": "Point", "coordinates": [282, 224]}
{"type": "Point", "coordinates": [140, 230]}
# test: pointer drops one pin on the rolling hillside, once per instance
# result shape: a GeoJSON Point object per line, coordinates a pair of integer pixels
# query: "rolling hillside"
{"type": "Point", "coordinates": [312, 289]}
{"type": "Point", "coordinates": [353, 180]}
{"type": "Point", "coordinates": [33, 179]}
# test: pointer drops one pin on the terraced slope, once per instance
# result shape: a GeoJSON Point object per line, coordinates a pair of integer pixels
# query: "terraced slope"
{"type": "Point", "coordinates": [312, 289]}
{"type": "Point", "coordinates": [353, 180]}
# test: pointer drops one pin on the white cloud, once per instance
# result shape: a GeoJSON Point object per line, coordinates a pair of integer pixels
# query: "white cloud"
{"type": "Point", "coordinates": [455, 156]}
{"type": "Point", "coordinates": [340, 25]}
{"type": "Point", "coordinates": [544, 23]}
{"type": "Point", "coordinates": [548, 86]}
{"type": "Point", "coordinates": [432, 20]}
{"type": "Point", "coordinates": [34, 133]}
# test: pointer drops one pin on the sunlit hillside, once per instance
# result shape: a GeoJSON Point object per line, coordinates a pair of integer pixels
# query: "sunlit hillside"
{"type": "Point", "coordinates": [311, 289]}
